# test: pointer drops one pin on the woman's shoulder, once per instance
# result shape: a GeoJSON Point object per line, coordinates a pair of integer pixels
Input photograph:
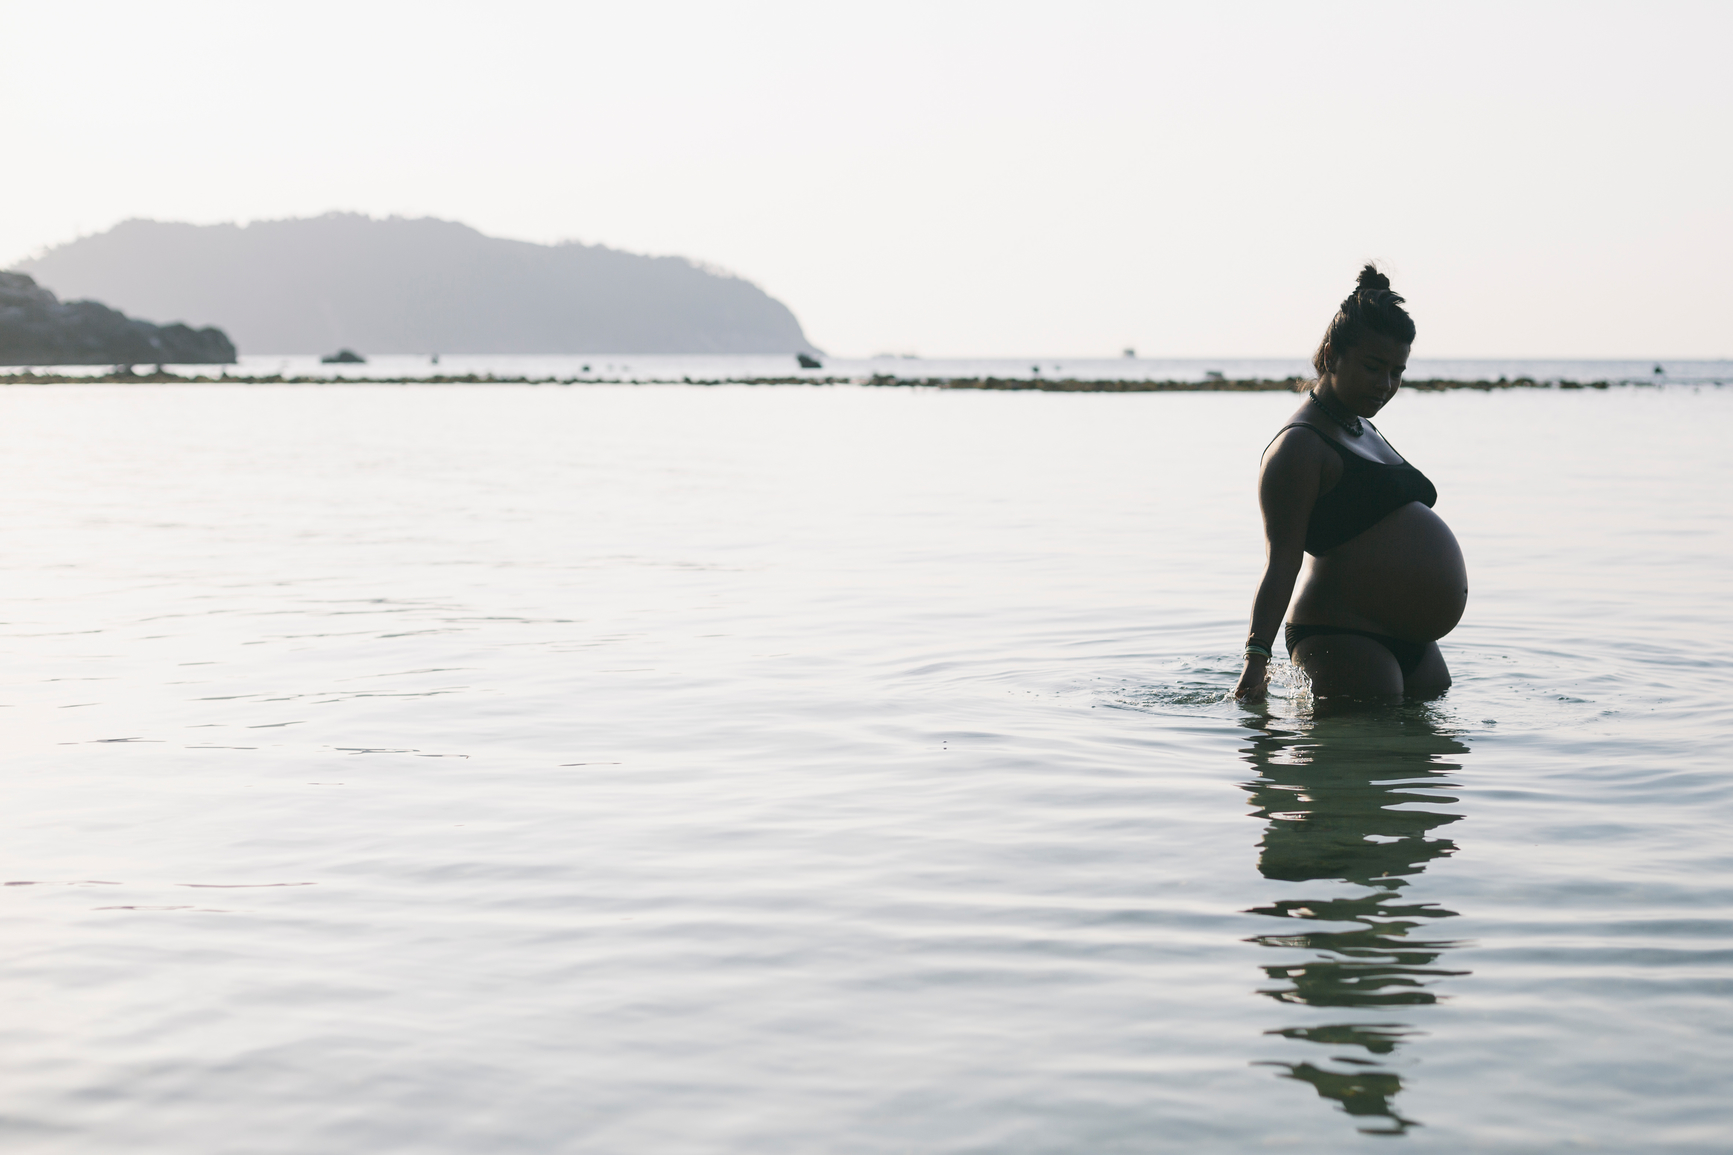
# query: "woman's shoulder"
{"type": "Point", "coordinates": [1299, 447]}
{"type": "Point", "coordinates": [1298, 436]}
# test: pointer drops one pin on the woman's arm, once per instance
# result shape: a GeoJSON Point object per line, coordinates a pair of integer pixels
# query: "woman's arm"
{"type": "Point", "coordinates": [1287, 489]}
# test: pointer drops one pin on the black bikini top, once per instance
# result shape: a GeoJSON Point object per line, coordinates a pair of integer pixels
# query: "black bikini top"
{"type": "Point", "coordinates": [1368, 491]}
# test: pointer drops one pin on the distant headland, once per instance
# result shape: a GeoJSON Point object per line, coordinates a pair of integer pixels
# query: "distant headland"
{"type": "Point", "coordinates": [37, 328]}
{"type": "Point", "coordinates": [397, 285]}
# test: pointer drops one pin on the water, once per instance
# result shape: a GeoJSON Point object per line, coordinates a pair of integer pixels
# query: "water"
{"type": "Point", "coordinates": [477, 769]}
{"type": "Point", "coordinates": [736, 367]}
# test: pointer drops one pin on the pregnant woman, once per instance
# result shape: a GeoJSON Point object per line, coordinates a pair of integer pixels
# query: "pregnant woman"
{"type": "Point", "coordinates": [1380, 575]}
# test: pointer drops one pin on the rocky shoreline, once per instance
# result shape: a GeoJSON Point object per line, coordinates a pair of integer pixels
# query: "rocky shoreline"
{"type": "Point", "coordinates": [124, 376]}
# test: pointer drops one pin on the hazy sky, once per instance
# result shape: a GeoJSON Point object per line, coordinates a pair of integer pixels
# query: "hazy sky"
{"type": "Point", "coordinates": [1197, 179]}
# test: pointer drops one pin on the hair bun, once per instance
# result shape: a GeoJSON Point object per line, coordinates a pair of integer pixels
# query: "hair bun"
{"type": "Point", "coordinates": [1372, 281]}
{"type": "Point", "coordinates": [1371, 308]}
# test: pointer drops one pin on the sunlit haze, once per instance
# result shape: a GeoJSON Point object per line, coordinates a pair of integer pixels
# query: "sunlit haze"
{"type": "Point", "coordinates": [1547, 179]}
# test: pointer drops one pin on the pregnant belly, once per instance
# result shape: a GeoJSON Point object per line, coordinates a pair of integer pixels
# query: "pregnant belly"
{"type": "Point", "coordinates": [1404, 577]}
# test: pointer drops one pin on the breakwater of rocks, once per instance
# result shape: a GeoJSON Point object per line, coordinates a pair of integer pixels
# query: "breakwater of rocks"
{"type": "Point", "coordinates": [124, 375]}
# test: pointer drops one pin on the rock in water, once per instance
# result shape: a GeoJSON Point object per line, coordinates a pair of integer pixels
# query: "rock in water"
{"type": "Point", "coordinates": [807, 361]}
{"type": "Point", "coordinates": [37, 328]}
{"type": "Point", "coordinates": [351, 357]}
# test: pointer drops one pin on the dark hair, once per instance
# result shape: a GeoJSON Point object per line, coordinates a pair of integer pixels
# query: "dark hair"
{"type": "Point", "coordinates": [1370, 308]}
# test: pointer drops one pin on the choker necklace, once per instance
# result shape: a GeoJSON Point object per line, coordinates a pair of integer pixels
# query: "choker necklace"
{"type": "Point", "coordinates": [1350, 422]}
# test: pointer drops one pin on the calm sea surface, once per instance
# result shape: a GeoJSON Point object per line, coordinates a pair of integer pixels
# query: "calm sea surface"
{"type": "Point", "coordinates": [674, 770]}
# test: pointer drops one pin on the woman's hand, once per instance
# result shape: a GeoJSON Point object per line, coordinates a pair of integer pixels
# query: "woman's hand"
{"type": "Point", "coordinates": [1253, 679]}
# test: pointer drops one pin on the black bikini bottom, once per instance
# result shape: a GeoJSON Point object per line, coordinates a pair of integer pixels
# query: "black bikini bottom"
{"type": "Point", "coordinates": [1407, 654]}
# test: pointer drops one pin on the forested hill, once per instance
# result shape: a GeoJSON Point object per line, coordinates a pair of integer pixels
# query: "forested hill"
{"type": "Point", "coordinates": [415, 286]}
{"type": "Point", "coordinates": [37, 328]}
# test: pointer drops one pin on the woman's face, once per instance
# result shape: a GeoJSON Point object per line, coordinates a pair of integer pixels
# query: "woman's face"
{"type": "Point", "coordinates": [1368, 373]}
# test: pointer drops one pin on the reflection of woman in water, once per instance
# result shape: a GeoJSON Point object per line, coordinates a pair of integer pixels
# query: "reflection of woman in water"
{"type": "Point", "coordinates": [1353, 818]}
{"type": "Point", "coordinates": [1384, 579]}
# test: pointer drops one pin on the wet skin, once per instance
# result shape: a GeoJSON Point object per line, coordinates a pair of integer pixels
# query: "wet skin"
{"type": "Point", "coordinates": [1404, 576]}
